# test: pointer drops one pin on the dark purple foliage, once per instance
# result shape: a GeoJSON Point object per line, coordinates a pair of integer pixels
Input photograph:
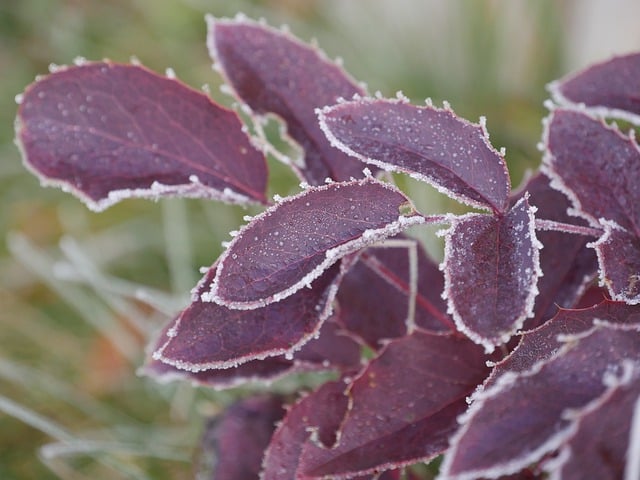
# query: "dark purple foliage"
{"type": "Point", "coordinates": [391, 422]}
{"type": "Point", "coordinates": [293, 242]}
{"type": "Point", "coordinates": [206, 335]}
{"type": "Point", "coordinates": [543, 342]}
{"type": "Point", "coordinates": [601, 441]}
{"type": "Point", "coordinates": [373, 299]}
{"type": "Point", "coordinates": [235, 441]}
{"type": "Point", "coordinates": [309, 417]}
{"type": "Point", "coordinates": [428, 143]}
{"type": "Point", "coordinates": [491, 269]}
{"type": "Point", "coordinates": [610, 87]}
{"type": "Point", "coordinates": [568, 265]}
{"type": "Point", "coordinates": [619, 256]}
{"type": "Point", "coordinates": [268, 68]}
{"type": "Point", "coordinates": [108, 132]}
{"type": "Point", "coordinates": [522, 417]}
{"type": "Point", "coordinates": [326, 279]}
{"type": "Point", "coordinates": [332, 350]}
{"type": "Point", "coordinates": [597, 167]}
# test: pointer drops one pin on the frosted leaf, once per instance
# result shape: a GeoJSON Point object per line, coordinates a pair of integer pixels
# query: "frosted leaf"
{"type": "Point", "coordinates": [491, 270]}
{"type": "Point", "coordinates": [596, 166]}
{"type": "Point", "coordinates": [609, 88]}
{"type": "Point", "coordinates": [568, 264]}
{"type": "Point", "coordinates": [316, 228]}
{"type": "Point", "coordinates": [206, 335]}
{"type": "Point", "coordinates": [619, 257]}
{"type": "Point", "coordinates": [598, 446]}
{"type": "Point", "coordinates": [332, 350]}
{"type": "Point", "coordinates": [106, 132]}
{"type": "Point", "coordinates": [428, 143]}
{"type": "Point", "coordinates": [497, 439]}
{"type": "Point", "coordinates": [275, 73]}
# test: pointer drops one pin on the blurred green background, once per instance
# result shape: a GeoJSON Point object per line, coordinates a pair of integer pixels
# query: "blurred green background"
{"type": "Point", "coordinates": [71, 338]}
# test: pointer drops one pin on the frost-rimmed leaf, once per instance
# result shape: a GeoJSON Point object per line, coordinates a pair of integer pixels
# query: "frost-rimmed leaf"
{"type": "Point", "coordinates": [430, 144]}
{"type": "Point", "coordinates": [207, 335]}
{"type": "Point", "coordinates": [596, 166]}
{"type": "Point", "coordinates": [543, 342]}
{"type": "Point", "coordinates": [321, 412]}
{"type": "Point", "coordinates": [275, 73]}
{"type": "Point", "coordinates": [568, 264]}
{"type": "Point", "coordinates": [522, 417]}
{"type": "Point", "coordinates": [107, 131]}
{"type": "Point", "coordinates": [293, 242]}
{"type": "Point", "coordinates": [395, 420]}
{"type": "Point", "coordinates": [610, 88]}
{"type": "Point", "coordinates": [332, 350]}
{"type": "Point", "coordinates": [601, 438]}
{"type": "Point", "coordinates": [619, 257]}
{"type": "Point", "coordinates": [374, 295]}
{"type": "Point", "coordinates": [491, 268]}
{"type": "Point", "coordinates": [234, 442]}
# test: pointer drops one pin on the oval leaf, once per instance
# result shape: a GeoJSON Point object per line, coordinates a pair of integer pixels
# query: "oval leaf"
{"type": "Point", "coordinates": [107, 132]}
{"type": "Point", "coordinates": [595, 166]}
{"type": "Point", "coordinates": [395, 420]}
{"type": "Point", "coordinates": [430, 144]}
{"type": "Point", "coordinates": [207, 335]}
{"type": "Point", "coordinates": [273, 72]}
{"type": "Point", "coordinates": [497, 439]}
{"type": "Point", "coordinates": [491, 268]}
{"type": "Point", "coordinates": [293, 242]}
{"type": "Point", "coordinates": [608, 88]}
{"type": "Point", "coordinates": [332, 350]}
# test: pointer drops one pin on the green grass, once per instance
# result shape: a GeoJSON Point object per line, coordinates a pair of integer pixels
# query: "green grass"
{"type": "Point", "coordinates": [71, 338]}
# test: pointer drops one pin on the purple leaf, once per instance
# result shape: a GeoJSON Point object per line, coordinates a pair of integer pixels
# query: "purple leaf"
{"type": "Point", "coordinates": [331, 350]}
{"type": "Point", "coordinates": [207, 335]}
{"type": "Point", "coordinates": [431, 144]}
{"type": "Point", "coordinates": [601, 439]}
{"type": "Point", "coordinates": [321, 411]}
{"type": "Point", "coordinates": [491, 269]}
{"type": "Point", "coordinates": [596, 166]}
{"type": "Point", "coordinates": [526, 474]}
{"type": "Point", "coordinates": [398, 419]}
{"type": "Point", "coordinates": [293, 242]}
{"type": "Point", "coordinates": [608, 88]}
{"type": "Point", "coordinates": [273, 72]}
{"type": "Point", "coordinates": [543, 342]}
{"type": "Point", "coordinates": [265, 370]}
{"type": "Point", "coordinates": [523, 416]}
{"type": "Point", "coordinates": [107, 132]}
{"type": "Point", "coordinates": [235, 441]}
{"type": "Point", "coordinates": [619, 256]}
{"type": "Point", "coordinates": [374, 295]}
{"type": "Point", "coordinates": [591, 297]}
{"type": "Point", "coordinates": [567, 263]}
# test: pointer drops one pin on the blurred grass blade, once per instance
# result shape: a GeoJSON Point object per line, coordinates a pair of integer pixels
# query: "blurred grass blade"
{"type": "Point", "coordinates": [92, 311]}
{"type": "Point", "coordinates": [36, 381]}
